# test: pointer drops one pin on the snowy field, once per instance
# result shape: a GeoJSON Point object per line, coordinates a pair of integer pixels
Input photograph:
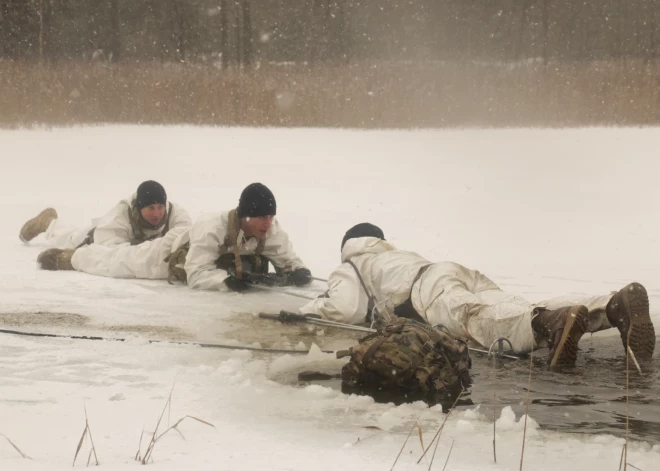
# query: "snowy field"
{"type": "Point", "coordinates": [543, 213]}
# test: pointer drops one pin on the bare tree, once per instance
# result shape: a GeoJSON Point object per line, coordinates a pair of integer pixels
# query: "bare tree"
{"type": "Point", "coordinates": [115, 31]}
{"type": "Point", "coordinates": [248, 40]}
{"type": "Point", "coordinates": [546, 29]}
{"type": "Point", "coordinates": [180, 20]}
{"type": "Point", "coordinates": [224, 50]}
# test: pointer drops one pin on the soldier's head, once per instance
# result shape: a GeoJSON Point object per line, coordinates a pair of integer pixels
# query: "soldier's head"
{"type": "Point", "coordinates": [256, 210]}
{"type": "Point", "coordinates": [151, 200]}
{"type": "Point", "coordinates": [363, 229]}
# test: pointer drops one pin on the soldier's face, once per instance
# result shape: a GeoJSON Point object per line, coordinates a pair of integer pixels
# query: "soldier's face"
{"type": "Point", "coordinates": [153, 214]}
{"type": "Point", "coordinates": [257, 227]}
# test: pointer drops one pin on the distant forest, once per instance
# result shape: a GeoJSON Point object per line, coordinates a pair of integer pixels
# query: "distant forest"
{"type": "Point", "coordinates": [229, 32]}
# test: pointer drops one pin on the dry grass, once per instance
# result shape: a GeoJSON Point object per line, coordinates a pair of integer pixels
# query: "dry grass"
{"type": "Point", "coordinates": [417, 426]}
{"type": "Point", "coordinates": [625, 448]}
{"type": "Point", "coordinates": [494, 382]}
{"type": "Point", "coordinates": [155, 436]}
{"type": "Point", "coordinates": [379, 95]}
{"type": "Point", "coordinates": [87, 432]}
{"type": "Point", "coordinates": [15, 447]}
{"type": "Point", "coordinates": [436, 437]}
{"type": "Point", "coordinates": [527, 400]}
{"type": "Point", "coordinates": [448, 455]}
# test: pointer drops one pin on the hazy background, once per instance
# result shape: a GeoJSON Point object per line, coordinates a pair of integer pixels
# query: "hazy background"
{"type": "Point", "coordinates": [401, 64]}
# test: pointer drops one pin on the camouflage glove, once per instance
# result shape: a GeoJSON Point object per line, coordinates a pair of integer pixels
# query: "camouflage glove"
{"type": "Point", "coordinates": [300, 277]}
{"type": "Point", "coordinates": [237, 285]}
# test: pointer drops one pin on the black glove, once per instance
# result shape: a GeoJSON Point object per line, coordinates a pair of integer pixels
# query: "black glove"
{"type": "Point", "coordinates": [237, 285]}
{"type": "Point", "coordinates": [300, 277]}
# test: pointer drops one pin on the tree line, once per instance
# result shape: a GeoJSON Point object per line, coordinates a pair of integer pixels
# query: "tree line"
{"type": "Point", "coordinates": [243, 32]}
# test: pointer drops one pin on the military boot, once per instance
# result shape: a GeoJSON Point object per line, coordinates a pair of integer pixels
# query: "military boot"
{"type": "Point", "coordinates": [56, 259]}
{"type": "Point", "coordinates": [628, 311]}
{"type": "Point", "coordinates": [37, 224]}
{"type": "Point", "coordinates": [562, 328]}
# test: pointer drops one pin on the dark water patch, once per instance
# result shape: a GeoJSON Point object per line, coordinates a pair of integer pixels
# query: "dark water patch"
{"type": "Point", "coordinates": [588, 398]}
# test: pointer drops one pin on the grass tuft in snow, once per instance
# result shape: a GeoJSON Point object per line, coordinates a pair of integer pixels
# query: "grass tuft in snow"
{"type": "Point", "coordinates": [439, 432]}
{"type": "Point", "coordinates": [86, 432]}
{"type": "Point", "coordinates": [448, 455]}
{"type": "Point", "coordinates": [529, 390]}
{"type": "Point", "coordinates": [155, 436]}
{"type": "Point", "coordinates": [419, 429]}
{"type": "Point", "coordinates": [15, 447]}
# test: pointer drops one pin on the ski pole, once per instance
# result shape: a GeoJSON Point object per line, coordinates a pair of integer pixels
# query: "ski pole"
{"type": "Point", "coordinates": [285, 316]}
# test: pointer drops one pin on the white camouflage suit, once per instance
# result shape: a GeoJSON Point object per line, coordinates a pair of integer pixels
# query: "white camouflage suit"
{"type": "Point", "coordinates": [116, 252]}
{"type": "Point", "coordinates": [207, 243]}
{"type": "Point", "coordinates": [469, 304]}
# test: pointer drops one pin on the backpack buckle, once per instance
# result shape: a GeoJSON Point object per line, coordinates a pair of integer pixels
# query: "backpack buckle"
{"type": "Point", "coordinates": [428, 347]}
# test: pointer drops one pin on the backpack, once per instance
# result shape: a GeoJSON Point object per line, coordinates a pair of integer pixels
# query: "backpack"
{"type": "Point", "coordinates": [410, 357]}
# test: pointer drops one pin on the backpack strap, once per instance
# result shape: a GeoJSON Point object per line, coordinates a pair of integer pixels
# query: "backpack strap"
{"type": "Point", "coordinates": [394, 328]}
{"type": "Point", "coordinates": [231, 241]}
{"type": "Point", "coordinates": [167, 222]}
{"type": "Point", "coordinates": [372, 301]}
{"type": "Point", "coordinates": [259, 259]}
{"type": "Point", "coordinates": [373, 348]}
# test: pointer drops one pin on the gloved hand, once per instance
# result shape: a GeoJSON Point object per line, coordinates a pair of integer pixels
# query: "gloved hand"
{"type": "Point", "coordinates": [300, 277]}
{"type": "Point", "coordinates": [237, 285]}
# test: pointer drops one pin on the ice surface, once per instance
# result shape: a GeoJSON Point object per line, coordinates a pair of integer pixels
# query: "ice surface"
{"type": "Point", "coordinates": [543, 213]}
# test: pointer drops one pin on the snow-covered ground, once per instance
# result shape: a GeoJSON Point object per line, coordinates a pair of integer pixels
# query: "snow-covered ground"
{"type": "Point", "coordinates": [543, 213]}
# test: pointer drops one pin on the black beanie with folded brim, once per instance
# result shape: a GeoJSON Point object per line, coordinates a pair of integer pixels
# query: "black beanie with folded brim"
{"type": "Point", "coordinates": [256, 201]}
{"type": "Point", "coordinates": [150, 192]}
{"type": "Point", "coordinates": [363, 229]}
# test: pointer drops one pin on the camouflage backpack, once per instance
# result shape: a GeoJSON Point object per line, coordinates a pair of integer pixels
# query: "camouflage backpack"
{"type": "Point", "coordinates": [409, 356]}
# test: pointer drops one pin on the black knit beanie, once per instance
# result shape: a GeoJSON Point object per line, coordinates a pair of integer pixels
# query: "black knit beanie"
{"type": "Point", "coordinates": [256, 201]}
{"type": "Point", "coordinates": [363, 229]}
{"type": "Point", "coordinates": [150, 192]}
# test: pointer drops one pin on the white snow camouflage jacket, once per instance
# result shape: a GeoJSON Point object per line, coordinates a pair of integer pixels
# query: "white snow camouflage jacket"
{"type": "Point", "coordinates": [464, 301]}
{"type": "Point", "coordinates": [207, 237]}
{"type": "Point", "coordinates": [387, 272]}
{"type": "Point", "coordinates": [112, 253]}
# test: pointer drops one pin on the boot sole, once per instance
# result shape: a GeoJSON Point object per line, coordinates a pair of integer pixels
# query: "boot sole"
{"type": "Point", "coordinates": [575, 327]}
{"type": "Point", "coordinates": [641, 333]}
{"type": "Point", "coordinates": [48, 211]}
{"type": "Point", "coordinates": [56, 259]}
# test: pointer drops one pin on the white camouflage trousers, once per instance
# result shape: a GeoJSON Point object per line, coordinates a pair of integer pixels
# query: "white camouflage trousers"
{"type": "Point", "coordinates": [61, 235]}
{"type": "Point", "coordinates": [473, 307]}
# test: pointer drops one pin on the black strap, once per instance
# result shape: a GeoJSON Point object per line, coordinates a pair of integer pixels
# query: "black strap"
{"type": "Point", "coordinates": [89, 239]}
{"type": "Point", "coordinates": [372, 301]}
